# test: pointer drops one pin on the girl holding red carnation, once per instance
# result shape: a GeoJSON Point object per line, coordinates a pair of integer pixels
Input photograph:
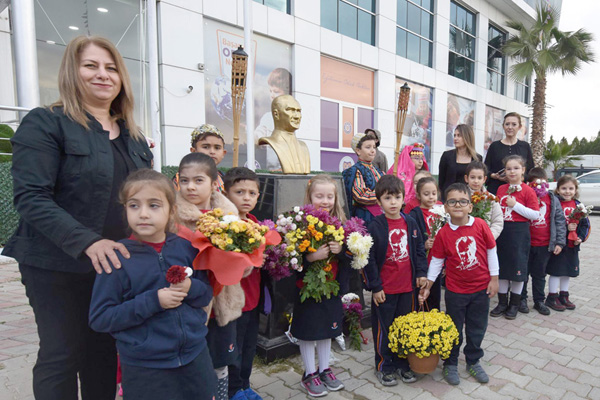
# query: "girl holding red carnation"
{"type": "Point", "coordinates": [152, 304]}
{"type": "Point", "coordinates": [565, 265]}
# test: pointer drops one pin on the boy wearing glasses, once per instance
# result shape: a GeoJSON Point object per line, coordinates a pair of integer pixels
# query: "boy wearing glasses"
{"type": "Point", "coordinates": [396, 262]}
{"type": "Point", "coordinates": [468, 248]}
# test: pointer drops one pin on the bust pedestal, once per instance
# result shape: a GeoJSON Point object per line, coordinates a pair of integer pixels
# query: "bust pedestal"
{"type": "Point", "coordinates": [280, 193]}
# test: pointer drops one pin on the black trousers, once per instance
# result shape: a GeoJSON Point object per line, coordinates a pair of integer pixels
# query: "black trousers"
{"type": "Point", "coordinates": [247, 336]}
{"type": "Point", "coordinates": [471, 311]}
{"type": "Point", "coordinates": [536, 267]}
{"type": "Point", "coordinates": [382, 317]}
{"type": "Point", "coordinates": [194, 381]}
{"type": "Point", "coordinates": [68, 346]}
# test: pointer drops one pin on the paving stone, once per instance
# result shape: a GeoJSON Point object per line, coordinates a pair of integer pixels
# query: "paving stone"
{"type": "Point", "coordinates": [516, 378]}
{"type": "Point", "coordinates": [537, 386]}
{"type": "Point", "coordinates": [516, 392]}
{"type": "Point", "coordinates": [581, 389]}
{"type": "Point", "coordinates": [369, 391]}
{"type": "Point", "coordinates": [510, 363]}
{"type": "Point", "coordinates": [570, 373]}
{"type": "Point", "coordinates": [537, 373]}
{"type": "Point", "coordinates": [483, 392]}
{"type": "Point", "coordinates": [561, 336]}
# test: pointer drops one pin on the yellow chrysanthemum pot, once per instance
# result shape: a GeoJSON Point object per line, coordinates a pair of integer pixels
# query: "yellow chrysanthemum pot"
{"type": "Point", "coordinates": [425, 365]}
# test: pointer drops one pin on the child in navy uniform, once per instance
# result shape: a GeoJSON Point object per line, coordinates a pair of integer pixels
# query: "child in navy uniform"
{"type": "Point", "coordinates": [548, 236]}
{"type": "Point", "coordinates": [241, 187]}
{"type": "Point", "coordinates": [467, 246]}
{"type": "Point", "coordinates": [314, 324]}
{"type": "Point", "coordinates": [564, 266]}
{"type": "Point", "coordinates": [396, 261]}
{"type": "Point", "coordinates": [160, 328]}
{"type": "Point", "coordinates": [519, 205]}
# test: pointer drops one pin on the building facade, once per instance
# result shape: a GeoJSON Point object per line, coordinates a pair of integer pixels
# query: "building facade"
{"type": "Point", "coordinates": [343, 60]}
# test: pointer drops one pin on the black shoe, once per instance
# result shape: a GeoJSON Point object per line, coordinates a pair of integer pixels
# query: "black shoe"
{"type": "Point", "coordinates": [502, 305]}
{"type": "Point", "coordinates": [513, 306]}
{"type": "Point", "coordinates": [541, 308]}
{"type": "Point", "coordinates": [523, 308]}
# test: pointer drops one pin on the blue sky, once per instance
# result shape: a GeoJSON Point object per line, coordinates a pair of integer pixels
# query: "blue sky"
{"type": "Point", "coordinates": [575, 100]}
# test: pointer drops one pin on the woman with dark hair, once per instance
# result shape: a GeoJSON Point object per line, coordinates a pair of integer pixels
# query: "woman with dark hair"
{"type": "Point", "coordinates": [453, 163]}
{"type": "Point", "coordinates": [69, 161]}
{"type": "Point", "coordinates": [508, 146]}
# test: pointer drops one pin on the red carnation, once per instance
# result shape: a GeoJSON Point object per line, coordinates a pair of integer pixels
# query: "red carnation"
{"type": "Point", "coordinates": [176, 274]}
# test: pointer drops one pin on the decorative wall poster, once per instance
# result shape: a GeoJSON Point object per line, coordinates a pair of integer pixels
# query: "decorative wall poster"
{"type": "Point", "coordinates": [459, 111]}
{"type": "Point", "coordinates": [493, 127]}
{"type": "Point", "coordinates": [272, 77]}
{"type": "Point", "coordinates": [417, 128]}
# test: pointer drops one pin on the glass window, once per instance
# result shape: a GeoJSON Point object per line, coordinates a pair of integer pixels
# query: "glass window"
{"type": "Point", "coordinates": [414, 30]}
{"type": "Point", "coordinates": [496, 62]}
{"type": "Point", "coordinates": [281, 5]}
{"type": "Point", "coordinates": [353, 18]}
{"type": "Point", "coordinates": [329, 14]}
{"type": "Point", "coordinates": [591, 178]}
{"type": "Point", "coordinates": [59, 21]}
{"type": "Point", "coordinates": [330, 124]}
{"type": "Point", "coordinates": [461, 63]}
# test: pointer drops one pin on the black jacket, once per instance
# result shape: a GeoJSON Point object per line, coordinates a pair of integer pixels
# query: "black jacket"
{"type": "Point", "coordinates": [62, 176]}
{"type": "Point", "coordinates": [496, 153]}
{"type": "Point", "coordinates": [125, 304]}
{"type": "Point", "coordinates": [379, 230]}
{"type": "Point", "coordinates": [450, 171]}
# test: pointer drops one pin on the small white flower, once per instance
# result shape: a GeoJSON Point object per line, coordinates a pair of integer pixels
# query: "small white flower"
{"type": "Point", "coordinates": [538, 181]}
{"type": "Point", "coordinates": [296, 209]}
{"type": "Point", "coordinates": [189, 271]}
{"type": "Point", "coordinates": [298, 218]}
{"type": "Point", "coordinates": [230, 218]}
{"type": "Point", "coordinates": [294, 261]}
{"type": "Point", "coordinates": [349, 298]}
{"type": "Point", "coordinates": [293, 227]}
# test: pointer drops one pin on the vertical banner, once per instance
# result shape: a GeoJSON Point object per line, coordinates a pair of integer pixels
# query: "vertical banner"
{"type": "Point", "coordinates": [417, 128]}
{"type": "Point", "coordinates": [493, 127]}
{"type": "Point", "coordinates": [272, 78]}
{"type": "Point", "coordinates": [459, 111]}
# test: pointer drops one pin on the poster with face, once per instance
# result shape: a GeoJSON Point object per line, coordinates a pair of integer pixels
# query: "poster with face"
{"type": "Point", "coordinates": [417, 128]}
{"type": "Point", "coordinates": [272, 77]}
{"type": "Point", "coordinates": [523, 133]}
{"type": "Point", "coordinates": [493, 127]}
{"type": "Point", "coordinates": [459, 111]}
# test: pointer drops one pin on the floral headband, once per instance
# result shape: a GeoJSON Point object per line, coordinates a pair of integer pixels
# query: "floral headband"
{"type": "Point", "coordinates": [202, 130]}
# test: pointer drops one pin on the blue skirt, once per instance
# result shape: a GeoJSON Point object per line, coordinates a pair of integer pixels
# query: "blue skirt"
{"type": "Point", "coordinates": [317, 321]}
{"type": "Point", "coordinates": [564, 264]}
{"type": "Point", "coordinates": [513, 251]}
{"type": "Point", "coordinates": [222, 343]}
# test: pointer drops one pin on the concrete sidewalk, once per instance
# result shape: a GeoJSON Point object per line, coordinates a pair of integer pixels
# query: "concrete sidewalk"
{"type": "Point", "coordinates": [533, 357]}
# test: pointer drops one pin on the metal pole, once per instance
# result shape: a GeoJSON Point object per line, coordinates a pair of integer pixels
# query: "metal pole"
{"type": "Point", "coordinates": [153, 81]}
{"type": "Point", "coordinates": [249, 85]}
{"type": "Point", "coordinates": [26, 65]}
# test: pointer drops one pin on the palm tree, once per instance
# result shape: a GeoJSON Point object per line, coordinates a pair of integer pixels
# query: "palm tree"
{"type": "Point", "coordinates": [559, 156]}
{"type": "Point", "coordinates": [543, 49]}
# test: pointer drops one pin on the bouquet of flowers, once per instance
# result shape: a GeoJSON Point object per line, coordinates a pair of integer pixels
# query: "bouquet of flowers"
{"type": "Point", "coordinates": [424, 334]}
{"type": "Point", "coordinates": [352, 317]}
{"type": "Point", "coordinates": [580, 212]}
{"type": "Point", "coordinates": [359, 242]}
{"type": "Point", "coordinates": [228, 245]}
{"type": "Point", "coordinates": [279, 263]}
{"type": "Point", "coordinates": [513, 189]}
{"type": "Point", "coordinates": [440, 217]}
{"type": "Point", "coordinates": [482, 205]}
{"type": "Point", "coordinates": [540, 187]}
{"type": "Point", "coordinates": [305, 229]}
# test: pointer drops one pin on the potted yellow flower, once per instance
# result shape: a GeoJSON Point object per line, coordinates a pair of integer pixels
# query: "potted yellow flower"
{"type": "Point", "coordinates": [423, 337]}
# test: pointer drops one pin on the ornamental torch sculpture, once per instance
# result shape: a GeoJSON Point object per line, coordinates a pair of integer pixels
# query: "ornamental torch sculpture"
{"type": "Point", "coordinates": [400, 119]}
{"type": "Point", "coordinates": [239, 68]}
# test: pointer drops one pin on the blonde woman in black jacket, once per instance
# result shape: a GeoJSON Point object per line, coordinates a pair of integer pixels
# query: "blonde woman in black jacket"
{"type": "Point", "coordinates": [69, 161]}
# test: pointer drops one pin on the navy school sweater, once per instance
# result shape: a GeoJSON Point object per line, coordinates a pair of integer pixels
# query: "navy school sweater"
{"type": "Point", "coordinates": [125, 304]}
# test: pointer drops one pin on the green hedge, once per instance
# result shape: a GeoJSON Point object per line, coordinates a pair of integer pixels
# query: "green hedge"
{"type": "Point", "coordinates": [8, 214]}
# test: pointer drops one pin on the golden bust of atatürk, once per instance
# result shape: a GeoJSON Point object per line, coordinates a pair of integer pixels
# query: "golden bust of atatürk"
{"type": "Point", "coordinates": [292, 153]}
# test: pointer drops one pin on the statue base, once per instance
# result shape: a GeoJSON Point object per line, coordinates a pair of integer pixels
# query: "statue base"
{"type": "Point", "coordinates": [280, 193]}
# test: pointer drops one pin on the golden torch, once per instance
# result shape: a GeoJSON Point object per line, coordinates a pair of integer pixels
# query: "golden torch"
{"type": "Point", "coordinates": [239, 65]}
{"type": "Point", "coordinates": [400, 119]}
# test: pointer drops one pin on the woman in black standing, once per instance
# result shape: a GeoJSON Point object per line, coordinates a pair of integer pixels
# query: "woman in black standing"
{"type": "Point", "coordinates": [69, 161]}
{"type": "Point", "coordinates": [499, 149]}
{"type": "Point", "coordinates": [453, 163]}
